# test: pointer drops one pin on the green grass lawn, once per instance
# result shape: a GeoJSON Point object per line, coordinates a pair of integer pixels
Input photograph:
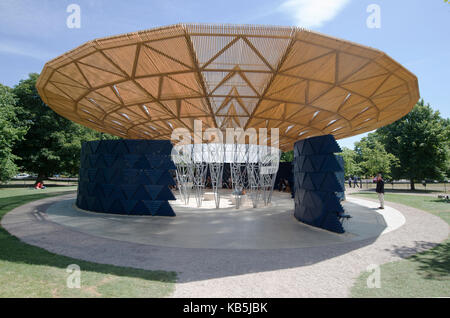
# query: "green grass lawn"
{"type": "Point", "coordinates": [28, 271]}
{"type": "Point", "coordinates": [425, 274]}
{"type": "Point", "coordinates": [31, 192]}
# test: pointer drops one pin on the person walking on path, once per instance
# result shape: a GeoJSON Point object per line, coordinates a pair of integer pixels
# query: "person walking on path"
{"type": "Point", "coordinates": [380, 189]}
{"type": "Point", "coordinates": [350, 182]}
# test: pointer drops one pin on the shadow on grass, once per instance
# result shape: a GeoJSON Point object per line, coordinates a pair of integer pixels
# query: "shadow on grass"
{"type": "Point", "coordinates": [440, 201]}
{"type": "Point", "coordinates": [14, 250]}
{"type": "Point", "coordinates": [434, 263]}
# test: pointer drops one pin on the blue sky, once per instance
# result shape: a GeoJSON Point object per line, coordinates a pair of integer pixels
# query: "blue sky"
{"type": "Point", "coordinates": [413, 32]}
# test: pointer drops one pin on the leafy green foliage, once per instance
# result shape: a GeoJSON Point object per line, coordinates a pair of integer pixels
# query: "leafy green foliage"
{"type": "Point", "coordinates": [287, 156]}
{"type": "Point", "coordinates": [420, 141]}
{"type": "Point", "coordinates": [351, 167]}
{"type": "Point", "coordinates": [374, 158]}
{"type": "Point", "coordinates": [53, 143]}
{"type": "Point", "coordinates": [416, 147]}
{"type": "Point", "coordinates": [11, 131]}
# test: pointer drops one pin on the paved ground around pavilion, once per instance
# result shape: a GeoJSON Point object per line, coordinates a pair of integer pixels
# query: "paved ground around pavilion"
{"type": "Point", "coordinates": [260, 254]}
{"type": "Point", "coordinates": [270, 227]}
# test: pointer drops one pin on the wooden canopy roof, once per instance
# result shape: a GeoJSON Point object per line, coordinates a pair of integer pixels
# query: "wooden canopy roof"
{"type": "Point", "coordinates": [145, 84]}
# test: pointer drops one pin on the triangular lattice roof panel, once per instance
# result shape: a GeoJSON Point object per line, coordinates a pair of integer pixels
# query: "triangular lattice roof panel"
{"type": "Point", "coordinates": [142, 85]}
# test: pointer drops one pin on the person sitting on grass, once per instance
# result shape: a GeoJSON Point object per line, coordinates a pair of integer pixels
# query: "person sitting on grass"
{"type": "Point", "coordinates": [40, 185]}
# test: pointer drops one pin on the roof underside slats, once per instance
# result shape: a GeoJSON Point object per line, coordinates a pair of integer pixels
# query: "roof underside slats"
{"type": "Point", "coordinates": [145, 84]}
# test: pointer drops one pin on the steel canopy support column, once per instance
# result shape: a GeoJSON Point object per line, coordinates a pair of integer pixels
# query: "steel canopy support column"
{"type": "Point", "coordinates": [200, 168]}
{"type": "Point", "coordinates": [269, 163]}
{"type": "Point", "coordinates": [238, 171]}
{"type": "Point", "coordinates": [216, 154]}
{"type": "Point", "coordinates": [182, 157]}
{"type": "Point", "coordinates": [254, 182]}
{"type": "Point", "coordinates": [184, 178]}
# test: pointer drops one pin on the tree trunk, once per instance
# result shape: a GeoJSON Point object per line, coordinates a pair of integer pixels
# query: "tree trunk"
{"type": "Point", "coordinates": [41, 177]}
{"type": "Point", "coordinates": [411, 182]}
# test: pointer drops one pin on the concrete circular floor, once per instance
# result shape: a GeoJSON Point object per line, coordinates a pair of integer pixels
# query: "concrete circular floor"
{"type": "Point", "coordinates": [265, 227]}
{"type": "Point", "coordinates": [327, 270]}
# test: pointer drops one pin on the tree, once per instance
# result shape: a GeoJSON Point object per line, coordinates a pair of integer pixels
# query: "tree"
{"type": "Point", "coordinates": [351, 167]}
{"type": "Point", "coordinates": [53, 143]}
{"type": "Point", "coordinates": [420, 140]}
{"type": "Point", "coordinates": [287, 156]}
{"type": "Point", "coordinates": [447, 164]}
{"type": "Point", "coordinates": [374, 158]}
{"type": "Point", "coordinates": [11, 131]}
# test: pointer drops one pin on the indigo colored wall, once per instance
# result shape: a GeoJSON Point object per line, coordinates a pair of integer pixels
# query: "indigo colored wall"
{"type": "Point", "coordinates": [126, 177]}
{"type": "Point", "coordinates": [284, 172]}
{"type": "Point", "coordinates": [316, 183]}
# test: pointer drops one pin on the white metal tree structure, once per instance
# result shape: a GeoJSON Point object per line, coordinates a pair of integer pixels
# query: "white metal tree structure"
{"type": "Point", "coordinates": [253, 173]}
{"type": "Point", "coordinates": [269, 162]}
{"type": "Point", "coordinates": [216, 154]}
{"type": "Point", "coordinates": [182, 157]}
{"type": "Point", "coordinates": [253, 170]}
{"type": "Point", "coordinates": [237, 155]}
{"type": "Point", "coordinates": [199, 167]}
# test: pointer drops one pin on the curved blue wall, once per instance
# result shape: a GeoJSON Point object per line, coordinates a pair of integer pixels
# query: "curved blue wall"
{"type": "Point", "coordinates": [316, 183]}
{"type": "Point", "coordinates": [126, 177]}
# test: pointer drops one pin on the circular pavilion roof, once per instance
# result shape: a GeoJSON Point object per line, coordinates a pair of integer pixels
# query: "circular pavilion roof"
{"type": "Point", "coordinates": [143, 85]}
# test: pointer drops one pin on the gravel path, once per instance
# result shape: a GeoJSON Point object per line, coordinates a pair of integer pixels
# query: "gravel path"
{"type": "Point", "coordinates": [301, 272]}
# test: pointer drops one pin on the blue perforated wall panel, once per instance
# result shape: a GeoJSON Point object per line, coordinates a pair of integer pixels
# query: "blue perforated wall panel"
{"type": "Point", "coordinates": [126, 177]}
{"type": "Point", "coordinates": [316, 183]}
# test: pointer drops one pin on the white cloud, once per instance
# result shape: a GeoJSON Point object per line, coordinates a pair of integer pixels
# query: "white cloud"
{"type": "Point", "coordinates": [312, 13]}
